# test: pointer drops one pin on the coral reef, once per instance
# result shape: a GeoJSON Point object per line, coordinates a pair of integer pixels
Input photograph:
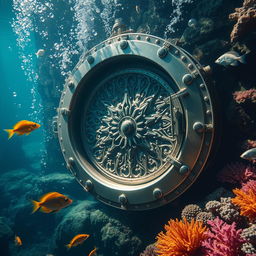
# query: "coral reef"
{"type": "Point", "coordinates": [190, 212]}
{"type": "Point", "coordinates": [246, 201]}
{"type": "Point", "coordinates": [226, 210]}
{"type": "Point", "coordinates": [245, 18]}
{"type": "Point", "coordinates": [149, 251]}
{"type": "Point", "coordinates": [106, 232]}
{"type": "Point", "coordinates": [222, 239]}
{"type": "Point", "coordinates": [245, 96]}
{"type": "Point", "coordinates": [182, 238]}
{"type": "Point", "coordinates": [205, 217]}
{"type": "Point", "coordinates": [237, 173]}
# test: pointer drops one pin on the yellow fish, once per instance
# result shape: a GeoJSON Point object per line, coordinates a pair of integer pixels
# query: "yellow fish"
{"type": "Point", "coordinates": [17, 241]}
{"type": "Point", "coordinates": [22, 127]}
{"type": "Point", "coordinates": [51, 202]}
{"type": "Point", "coordinates": [93, 252]}
{"type": "Point", "coordinates": [76, 240]}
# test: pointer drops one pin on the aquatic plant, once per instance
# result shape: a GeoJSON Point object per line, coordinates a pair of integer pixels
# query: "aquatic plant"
{"type": "Point", "coordinates": [182, 238]}
{"type": "Point", "coordinates": [246, 201]}
{"type": "Point", "coordinates": [222, 239]}
{"type": "Point", "coordinates": [237, 173]}
{"type": "Point", "coordinates": [190, 211]}
{"type": "Point", "coordinates": [149, 251]}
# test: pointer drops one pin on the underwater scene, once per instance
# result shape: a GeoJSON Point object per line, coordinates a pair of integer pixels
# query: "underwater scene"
{"type": "Point", "coordinates": [128, 128]}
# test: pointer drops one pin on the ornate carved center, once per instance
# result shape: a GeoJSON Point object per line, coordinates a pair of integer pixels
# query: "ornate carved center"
{"type": "Point", "coordinates": [131, 125]}
{"type": "Point", "coordinates": [128, 127]}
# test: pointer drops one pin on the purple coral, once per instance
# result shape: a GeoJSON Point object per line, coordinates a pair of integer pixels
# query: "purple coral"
{"type": "Point", "coordinates": [223, 239]}
{"type": "Point", "coordinates": [149, 251]}
{"type": "Point", "coordinates": [237, 173]}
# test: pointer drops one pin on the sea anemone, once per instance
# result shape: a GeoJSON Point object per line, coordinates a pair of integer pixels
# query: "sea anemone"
{"type": "Point", "coordinates": [182, 238]}
{"type": "Point", "coordinates": [246, 201]}
{"type": "Point", "coordinates": [222, 239]}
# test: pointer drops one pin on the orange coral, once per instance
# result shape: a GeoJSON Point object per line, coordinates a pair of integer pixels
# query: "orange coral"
{"type": "Point", "coordinates": [246, 201]}
{"type": "Point", "coordinates": [182, 238]}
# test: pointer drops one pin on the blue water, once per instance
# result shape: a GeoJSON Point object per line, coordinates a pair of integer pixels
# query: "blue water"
{"type": "Point", "coordinates": [30, 87]}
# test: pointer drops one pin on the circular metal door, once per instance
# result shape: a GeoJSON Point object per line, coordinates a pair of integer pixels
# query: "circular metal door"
{"type": "Point", "coordinates": [136, 121]}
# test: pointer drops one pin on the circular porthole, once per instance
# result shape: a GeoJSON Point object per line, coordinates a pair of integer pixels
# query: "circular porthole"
{"type": "Point", "coordinates": [136, 121]}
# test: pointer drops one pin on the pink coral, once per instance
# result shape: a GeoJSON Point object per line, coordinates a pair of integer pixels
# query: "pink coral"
{"type": "Point", "coordinates": [243, 96]}
{"type": "Point", "coordinates": [223, 239]}
{"type": "Point", "coordinates": [245, 18]}
{"type": "Point", "coordinates": [237, 173]}
{"type": "Point", "coordinates": [249, 185]}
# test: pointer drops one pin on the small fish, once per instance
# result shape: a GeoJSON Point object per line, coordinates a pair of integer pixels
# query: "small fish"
{"type": "Point", "coordinates": [40, 53]}
{"type": "Point", "coordinates": [249, 154]}
{"type": "Point", "coordinates": [231, 58]}
{"type": "Point", "coordinates": [76, 240]}
{"type": "Point", "coordinates": [51, 202]}
{"type": "Point", "coordinates": [22, 127]}
{"type": "Point", "coordinates": [137, 8]}
{"type": "Point", "coordinates": [93, 252]}
{"type": "Point", "coordinates": [17, 241]}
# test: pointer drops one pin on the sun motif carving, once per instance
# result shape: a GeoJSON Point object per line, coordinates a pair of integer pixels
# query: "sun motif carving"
{"type": "Point", "coordinates": [131, 128]}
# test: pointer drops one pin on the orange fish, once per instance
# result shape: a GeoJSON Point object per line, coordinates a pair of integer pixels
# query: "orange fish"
{"type": "Point", "coordinates": [51, 202]}
{"type": "Point", "coordinates": [22, 127]}
{"type": "Point", "coordinates": [76, 240]}
{"type": "Point", "coordinates": [17, 241]}
{"type": "Point", "coordinates": [93, 252]}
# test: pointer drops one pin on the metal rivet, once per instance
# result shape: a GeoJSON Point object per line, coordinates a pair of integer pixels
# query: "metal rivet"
{"type": "Point", "coordinates": [123, 44]}
{"type": "Point", "coordinates": [90, 59]}
{"type": "Point", "coordinates": [64, 111]}
{"type": "Point", "coordinates": [162, 52]}
{"type": "Point", "coordinates": [71, 84]}
{"type": "Point", "coordinates": [183, 169]}
{"type": "Point", "coordinates": [198, 127]}
{"type": "Point", "coordinates": [59, 124]}
{"type": "Point", "coordinates": [190, 66]}
{"type": "Point", "coordinates": [119, 38]}
{"type": "Point", "coordinates": [95, 49]}
{"type": "Point", "coordinates": [123, 199]}
{"type": "Point", "coordinates": [148, 38]}
{"type": "Point", "coordinates": [88, 185]}
{"type": "Point", "coordinates": [176, 52]}
{"type": "Point", "coordinates": [63, 151]}
{"type": "Point", "coordinates": [138, 37]}
{"type": "Point", "coordinates": [70, 163]}
{"type": "Point", "coordinates": [183, 58]}
{"type": "Point", "coordinates": [157, 41]}
{"type": "Point", "coordinates": [109, 42]}
{"type": "Point", "coordinates": [157, 193]}
{"type": "Point", "coordinates": [202, 86]}
{"type": "Point", "coordinates": [187, 79]}
{"type": "Point", "coordinates": [206, 98]}
{"type": "Point", "coordinates": [208, 112]}
{"type": "Point", "coordinates": [61, 139]}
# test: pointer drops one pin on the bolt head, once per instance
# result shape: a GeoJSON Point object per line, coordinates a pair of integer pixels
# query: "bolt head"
{"type": "Point", "coordinates": [90, 59]}
{"type": "Point", "coordinates": [157, 192]}
{"type": "Point", "coordinates": [88, 185]}
{"type": "Point", "coordinates": [184, 169]}
{"type": "Point", "coordinates": [123, 199]}
{"type": "Point", "coordinates": [123, 44]}
{"type": "Point", "coordinates": [198, 127]}
{"type": "Point", "coordinates": [187, 79]}
{"type": "Point", "coordinates": [162, 52]}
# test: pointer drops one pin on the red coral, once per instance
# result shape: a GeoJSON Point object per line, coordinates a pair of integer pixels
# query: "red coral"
{"type": "Point", "coordinates": [245, 18]}
{"type": "Point", "coordinates": [237, 173]}
{"type": "Point", "coordinates": [243, 96]}
{"type": "Point", "coordinates": [223, 239]}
